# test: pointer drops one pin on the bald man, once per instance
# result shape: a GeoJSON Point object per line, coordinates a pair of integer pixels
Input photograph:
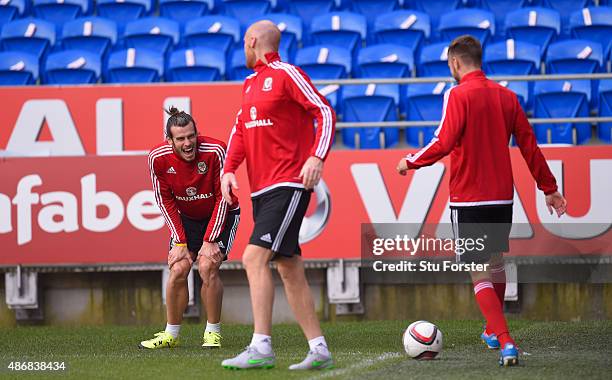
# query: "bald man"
{"type": "Point", "coordinates": [275, 133]}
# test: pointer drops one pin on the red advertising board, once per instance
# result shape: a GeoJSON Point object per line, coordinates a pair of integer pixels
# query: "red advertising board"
{"type": "Point", "coordinates": [93, 209]}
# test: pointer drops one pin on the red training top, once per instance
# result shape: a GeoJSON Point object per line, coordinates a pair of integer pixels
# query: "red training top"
{"type": "Point", "coordinates": [192, 188]}
{"type": "Point", "coordinates": [274, 127]}
{"type": "Point", "coordinates": [478, 118]}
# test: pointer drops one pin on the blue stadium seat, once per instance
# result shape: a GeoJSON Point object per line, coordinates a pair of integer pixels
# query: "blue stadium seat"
{"type": "Point", "coordinates": [20, 5]}
{"type": "Point", "coordinates": [95, 34]}
{"type": "Point", "coordinates": [372, 8]}
{"type": "Point", "coordinates": [363, 103]}
{"type": "Point", "coordinates": [18, 68]}
{"type": "Point", "coordinates": [565, 9]}
{"type": "Point", "coordinates": [385, 61]}
{"type": "Point", "coordinates": [500, 9]}
{"type": "Point", "coordinates": [134, 66]}
{"type": "Point", "coordinates": [604, 130]}
{"type": "Point", "coordinates": [195, 65]}
{"type": "Point", "coordinates": [576, 56]}
{"type": "Point", "coordinates": [60, 12]}
{"type": "Point", "coordinates": [477, 22]}
{"type": "Point", "coordinates": [217, 32]}
{"type": "Point", "coordinates": [326, 62]}
{"type": "Point", "coordinates": [433, 61]}
{"type": "Point", "coordinates": [434, 8]}
{"type": "Point", "coordinates": [403, 27]}
{"type": "Point", "coordinates": [514, 58]}
{"type": "Point", "coordinates": [8, 14]}
{"type": "Point", "coordinates": [561, 99]}
{"type": "Point", "coordinates": [291, 28]}
{"type": "Point", "coordinates": [154, 33]}
{"type": "Point", "coordinates": [124, 11]}
{"type": "Point", "coordinates": [245, 10]}
{"type": "Point", "coordinates": [345, 29]}
{"type": "Point", "coordinates": [539, 26]}
{"type": "Point", "coordinates": [30, 35]}
{"type": "Point", "coordinates": [425, 103]}
{"type": "Point", "coordinates": [595, 24]}
{"type": "Point", "coordinates": [185, 10]}
{"type": "Point", "coordinates": [307, 10]}
{"type": "Point", "coordinates": [72, 67]}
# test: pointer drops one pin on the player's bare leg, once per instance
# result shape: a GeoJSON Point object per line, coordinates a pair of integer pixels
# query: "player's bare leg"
{"type": "Point", "coordinates": [256, 262]}
{"type": "Point", "coordinates": [212, 289]}
{"type": "Point", "coordinates": [299, 296]}
{"type": "Point", "coordinates": [177, 294]}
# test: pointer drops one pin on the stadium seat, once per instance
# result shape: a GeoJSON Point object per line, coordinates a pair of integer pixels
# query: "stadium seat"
{"type": "Point", "coordinates": [72, 67]}
{"type": "Point", "coordinates": [403, 27]}
{"type": "Point", "coordinates": [363, 103]}
{"type": "Point", "coordinates": [565, 9]}
{"type": "Point", "coordinates": [216, 32]}
{"type": "Point", "coordinates": [424, 103]}
{"type": "Point", "coordinates": [372, 8]}
{"type": "Point", "coordinates": [237, 68]}
{"type": "Point", "coordinates": [20, 5]}
{"type": "Point", "coordinates": [307, 10]}
{"type": "Point", "coordinates": [8, 14]}
{"type": "Point", "coordinates": [95, 34]}
{"type": "Point", "coordinates": [595, 24]}
{"type": "Point", "coordinates": [245, 10]}
{"type": "Point", "coordinates": [434, 8]}
{"type": "Point", "coordinates": [385, 61]}
{"type": "Point", "coordinates": [134, 66]}
{"type": "Point", "coordinates": [500, 8]}
{"type": "Point", "coordinates": [154, 33]}
{"type": "Point", "coordinates": [539, 26]}
{"type": "Point", "coordinates": [561, 99]}
{"type": "Point", "coordinates": [433, 61]}
{"type": "Point", "coordinates": [185, 10]}
{"type": "Point", "coordinates": [326, 62]}
{"type": "Point", "coordinates": [343, 29]}
{"type": "Point", "coordinates": [60, 12]}
{"type": "Point", "coordinates": [476, 22]}
{"type": "Point", "coordinates": [604, 130]}
{"type": "Point", "coordinates": [291, 28]}
{"type": "Point", "coordinates": [18, 68]}
{"type": "Point", "coordinates": [514, 58]}
{"type": "Point", "coordinates": [124, 11]}
{"type": "Point", "coordinates": [30, 35]}
{"type": "Point", "coordinates": [576, 56]}
{"type": "Point", "coordinates": [195, 65]}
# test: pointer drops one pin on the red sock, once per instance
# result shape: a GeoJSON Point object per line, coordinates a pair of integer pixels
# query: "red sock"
{"type": "Point", "coordinates": [492, 311]}
{"type": "Point", "coordinates": [498, 277]}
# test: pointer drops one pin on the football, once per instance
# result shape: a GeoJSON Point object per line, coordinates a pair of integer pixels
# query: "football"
{"type": "Point", "coordinates": [422, 340]}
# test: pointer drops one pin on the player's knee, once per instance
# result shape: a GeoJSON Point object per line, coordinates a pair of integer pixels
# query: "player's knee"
{"type": "Point", "coordinates": [253, 259]}
{"type": "Point", "coordinates": [180, 270]}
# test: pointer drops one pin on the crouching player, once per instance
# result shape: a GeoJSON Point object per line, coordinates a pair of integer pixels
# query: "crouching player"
{"type": "Point", "coordinates": [185, 172]}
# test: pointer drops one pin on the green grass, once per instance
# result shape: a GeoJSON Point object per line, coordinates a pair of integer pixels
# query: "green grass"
{"type": "Point", "coordinates": [362, 350]}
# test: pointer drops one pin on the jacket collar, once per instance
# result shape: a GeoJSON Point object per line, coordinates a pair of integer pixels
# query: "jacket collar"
{"type": "Point", "coordinates": [476, 74]}
{"type": "Point", "coordinates": [270, 57]}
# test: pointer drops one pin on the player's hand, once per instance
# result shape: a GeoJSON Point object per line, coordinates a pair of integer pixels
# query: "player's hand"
{"type": "Point", "coordinates": [311, 172]}
{"type": "Point", "coordinates": [402, 167]}
{"type": "Point", "coordinates": [557, 202]}
{"type": "Point", "coordinates": [211, 251]}
{"type": "Point", "coordinates": [228, 184]}
{"type": "Point", "coordinates": [178, 253]}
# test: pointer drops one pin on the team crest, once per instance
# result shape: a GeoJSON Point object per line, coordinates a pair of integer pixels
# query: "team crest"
{"type": "Point", "coordinates": [253, 113]}
{"type": "Point", "coordinates": [202, 168]}
{"type": "Point", "coordinates": [191, 191]}
{"type": "Point", "coordinates": [267, 86]}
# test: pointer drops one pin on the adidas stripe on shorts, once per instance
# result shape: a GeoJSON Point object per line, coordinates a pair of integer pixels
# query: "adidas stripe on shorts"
{"type": "Point", "coordinates": [278, 216]}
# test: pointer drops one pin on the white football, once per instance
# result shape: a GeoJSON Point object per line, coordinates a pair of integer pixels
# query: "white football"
{"type": "Point", "coordinates": [422, 340]}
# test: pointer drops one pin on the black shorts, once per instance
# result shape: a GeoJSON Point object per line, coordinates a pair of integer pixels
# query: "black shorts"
{"type": "Point", "coordinates": [195, 230]}
{"type": "Point", "coordinates": [278, 216]}
{"type": "Point", "coordinates": [490, 224]}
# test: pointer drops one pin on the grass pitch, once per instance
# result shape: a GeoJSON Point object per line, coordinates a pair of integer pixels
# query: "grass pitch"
{"type": "Point", "coordinates": [362, 350]}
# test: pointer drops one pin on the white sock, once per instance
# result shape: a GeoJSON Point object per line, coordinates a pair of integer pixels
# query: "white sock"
{"type": "Point", "coordinates": [173, 330]}
{"type": "Point", "coordinates": [319, 345]}
{"type": "Point", "coordinates": [213, 327]}
{"type": "Point", "coordinates": [263, 343]}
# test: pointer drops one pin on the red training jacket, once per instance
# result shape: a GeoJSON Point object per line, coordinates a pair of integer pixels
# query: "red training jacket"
{"type": "Point", "coordinates": [274, 127]}
{"type": "Point", "coordinates": [478, 118]}
{"type": "Point", "coordinates": [191, 188]}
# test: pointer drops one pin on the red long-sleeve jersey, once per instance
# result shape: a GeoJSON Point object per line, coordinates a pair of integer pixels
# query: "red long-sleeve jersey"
{"type": "Point", "coordinates": [478, 118]}
{"type": "Point", "coordinates": [274, 128]}
{"type": "Point", "coordinates": [192, 188]}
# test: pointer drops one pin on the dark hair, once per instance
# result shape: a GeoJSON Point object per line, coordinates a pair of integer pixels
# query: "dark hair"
{"type": "Point", "coordinates": [468, 48]}
{"type": "Point", "coordinates": [178, 119]}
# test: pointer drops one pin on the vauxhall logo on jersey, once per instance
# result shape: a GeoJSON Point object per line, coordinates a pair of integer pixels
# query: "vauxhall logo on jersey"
{"type": "Point", "coordinates": [255, 122]}
{"type": "Point", "coordinates": [192, 195]}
